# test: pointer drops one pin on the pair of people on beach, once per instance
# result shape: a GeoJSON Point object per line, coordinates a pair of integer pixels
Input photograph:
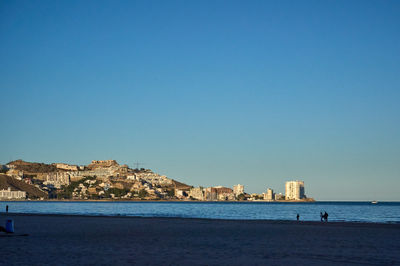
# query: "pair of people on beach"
{"type": "Point", "coordinates": [323, 216]}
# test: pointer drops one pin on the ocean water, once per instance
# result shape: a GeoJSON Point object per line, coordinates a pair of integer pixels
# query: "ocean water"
{"type": "Point", "coordinates": [383, 212]}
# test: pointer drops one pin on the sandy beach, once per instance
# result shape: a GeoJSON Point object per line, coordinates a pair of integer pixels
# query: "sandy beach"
{"type": "Point", "coordinates": [77, 240]}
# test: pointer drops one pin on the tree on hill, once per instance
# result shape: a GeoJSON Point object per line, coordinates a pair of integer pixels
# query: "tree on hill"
{"type": "Point", "coordinates": [143, 193]}
{"type": "Point", "coordinates": [116, 191]}
{"type": "Point", "coordinates": [171, 193]}
{"type": "Point", "coordinates": [241, 197]}
{"type": "Point", "coordinates": [3, 169]}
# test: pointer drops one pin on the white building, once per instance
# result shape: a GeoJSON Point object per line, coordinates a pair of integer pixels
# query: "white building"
{"type": "Point", "coordinates": [58, 179]}
{"type": "Point", "coordinates": [238, 189]}
{"type": "Point", "coordinates": [10, 194]}
{"type": "Point", "coordinates": [153, 178]}
{"type": "Point", "coordinates": [294, 190]}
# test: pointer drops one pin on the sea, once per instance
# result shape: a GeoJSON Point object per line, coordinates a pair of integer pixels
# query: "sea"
{"type": "Point", "coordinates": [381, 212]}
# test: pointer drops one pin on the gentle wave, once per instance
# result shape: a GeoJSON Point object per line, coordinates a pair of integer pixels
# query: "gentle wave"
{"type": "Point", "coordinates": [387, 212]}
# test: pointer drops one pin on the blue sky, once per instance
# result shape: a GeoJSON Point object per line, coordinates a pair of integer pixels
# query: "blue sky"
{"type": "Point", "coordinates": [209, 92]}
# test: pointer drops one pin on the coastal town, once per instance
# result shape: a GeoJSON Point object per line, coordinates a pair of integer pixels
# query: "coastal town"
{"type": "Point", "coordinates": [108, 180]}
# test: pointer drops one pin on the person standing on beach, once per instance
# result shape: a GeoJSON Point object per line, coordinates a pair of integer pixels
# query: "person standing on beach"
{"type": "Point", "coordinates": [6, 208]}
{"type": "Point", "coordinates": [298, 217]}
{"type": "Point", "coordinates": [320, 215]}
{"type": "Point", "coordinates": [326, 217]}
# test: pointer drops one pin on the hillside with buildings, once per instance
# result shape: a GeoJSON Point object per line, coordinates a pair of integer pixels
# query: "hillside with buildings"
{"type": "Point", "coordinates": [108, 180]}
{"type": "Point", "coordinates": [98, 180]}
{"type": "Point", "coordinates": [12, 188]}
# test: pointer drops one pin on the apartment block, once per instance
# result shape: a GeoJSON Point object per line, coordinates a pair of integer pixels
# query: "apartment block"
{"type": "Point", "coordinates": [294, 190]}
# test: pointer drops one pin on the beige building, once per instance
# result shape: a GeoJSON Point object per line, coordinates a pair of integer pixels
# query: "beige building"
{"type": "Point", "coordinates": [196, 193]}
{"type": "Point", "coordinates": [224, 193]}
{"type": "Point", "coordinates": [294, 190]}
{"type": "Point", "coordinates": [210, 194]}
{"type": "Point", "coordinates": [238, 189]}
{"type": "Point", "coordinates": [180, 194]}
{"type": "Point", "coordinates": [269, 195]}
{"type": "Point", "coordinates": [11, 194]}
{"type": "Point", "coordinates": [67, 167]}
{"type": "Point", "coordinates": [226, 196]}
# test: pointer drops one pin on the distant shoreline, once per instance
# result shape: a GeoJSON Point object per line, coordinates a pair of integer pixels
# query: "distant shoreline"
{"type": "Point", "coordinates": [198, 201]}
{"type": "Point", "coordinates": [161, 200]}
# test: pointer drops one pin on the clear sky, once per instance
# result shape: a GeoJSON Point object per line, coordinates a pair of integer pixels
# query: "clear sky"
{"type": "Point", "coordinates": [209, 92]}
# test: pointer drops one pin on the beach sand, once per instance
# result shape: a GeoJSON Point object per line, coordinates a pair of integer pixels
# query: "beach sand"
{"type": "Point", "coordinates": [77, 240]}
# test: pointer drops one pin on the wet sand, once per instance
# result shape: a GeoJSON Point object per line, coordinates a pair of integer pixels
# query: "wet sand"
{"type": "Point", "coordinates": [77, 240]}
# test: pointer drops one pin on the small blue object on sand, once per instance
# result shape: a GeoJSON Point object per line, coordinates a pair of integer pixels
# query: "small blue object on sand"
{"type": "Point", "coordinates": [10, 226]}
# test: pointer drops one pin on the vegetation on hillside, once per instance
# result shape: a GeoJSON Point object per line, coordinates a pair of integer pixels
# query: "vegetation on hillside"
{"type": "Point", "coordinates": [66, 191]}
{"type": "Point", "coordinates": [143, 193]}
{"type": "Point", "coordinates": [117, 192]}
{"type": "Point", "coordinates": [241, 197]}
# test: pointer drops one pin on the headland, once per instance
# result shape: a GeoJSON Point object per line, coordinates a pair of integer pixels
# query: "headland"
{"type": "Point", "coordinates": [108, 180]}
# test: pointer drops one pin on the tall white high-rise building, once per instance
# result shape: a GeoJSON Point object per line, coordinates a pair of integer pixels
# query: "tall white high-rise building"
{"type": "Point", "coordinates": [294, 190]}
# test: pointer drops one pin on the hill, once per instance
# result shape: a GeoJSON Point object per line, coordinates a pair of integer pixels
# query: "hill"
{"type": "Point", "coordinates": [179, 185]}
{"type": "Point", "coordinates": [33, 167]}
{"type": "Point", "coordinates": [31, 191]}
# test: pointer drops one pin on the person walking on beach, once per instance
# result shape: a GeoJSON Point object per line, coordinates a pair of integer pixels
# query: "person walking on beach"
{"type": "Point", "coordinates": [6, 208]}
{"type": "Point", "coordinates": [320, 215]}
{"type": "Point", "coordinates": [298, 217]}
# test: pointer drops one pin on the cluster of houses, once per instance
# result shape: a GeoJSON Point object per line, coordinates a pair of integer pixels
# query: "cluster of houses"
{"type": "Point", "coordinates": [294, 191]}
{"type": "Point", "coordinates": [220, 193]}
